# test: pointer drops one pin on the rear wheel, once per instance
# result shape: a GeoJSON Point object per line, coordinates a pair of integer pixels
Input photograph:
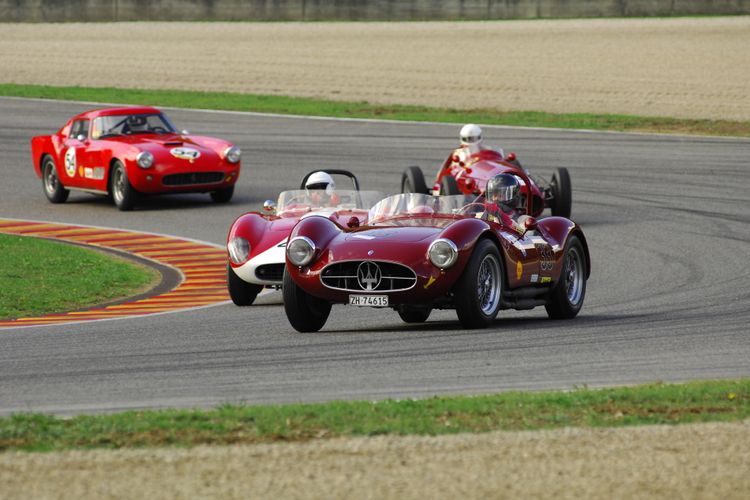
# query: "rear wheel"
{"type": "Point", "coordinates": [123, 194]}
{"type": "Point", "coordinates": [305, 312]}
{"type": "Point", "coordinates": [241, 292]}
{"type": "Point", "coordinates": [222, 195]}
{"type": "Point", "coordinates": [413, 181]}
{"type": "Point", "coordinates": [414, 314]}
{"type": "Point", "coordinates": [567, 297]}
{"type": "Point", "coordinates": [448, 186]}
{"type": "Point", "coordinates": [478, 293]}
{"type": "Point", "coordinates": [560, 189]}
{"type": "Point", "coordinates": [53, 188]}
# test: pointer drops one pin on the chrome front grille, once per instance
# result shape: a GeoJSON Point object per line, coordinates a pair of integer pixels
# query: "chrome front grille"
{"type": "Point", "coordinates": [368, 276]}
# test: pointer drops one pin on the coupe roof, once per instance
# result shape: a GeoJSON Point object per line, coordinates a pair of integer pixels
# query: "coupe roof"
{"type": "Point", "coordinates": [123, 110]}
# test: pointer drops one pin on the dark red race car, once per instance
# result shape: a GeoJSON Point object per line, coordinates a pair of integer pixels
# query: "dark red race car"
{"type": "Point", "coordinates": [419, 252]}
{"type": "Point", "coordinates": [468, 168]}
{"type": "Point", "coordinates": [129, 151]}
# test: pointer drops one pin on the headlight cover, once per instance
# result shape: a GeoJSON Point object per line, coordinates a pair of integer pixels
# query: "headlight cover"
{"type": "Point", "coordinates": [144, 159]}
{"type": "Point", "coordinates": [443, 253]}
{"type": "Point", "coordinates": [232, 154]}
{"type": "Point", "coordinates": [239, 249]}
{"type": "Point", "coordinates": [300, 250]}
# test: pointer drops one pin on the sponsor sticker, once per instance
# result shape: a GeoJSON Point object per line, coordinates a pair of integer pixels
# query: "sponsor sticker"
{"type": "Point", "coordinates": [534, 278]}
{"type": "Point", "coordinates": [188, 154]}
{"type": "Point", "coordinates": [96, 173]}
{"type": "Point", "coordinates": [546, 279]}
{"type": "Point", "coordinates": [429, 282]}
{"type": "Point", "coordinates": [70, 162]}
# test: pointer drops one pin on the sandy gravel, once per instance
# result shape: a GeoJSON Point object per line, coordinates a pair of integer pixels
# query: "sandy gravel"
{"type": "Point", "coordinates": [685, 67]}
{"type": "Point", "coordinates": [688, 461]}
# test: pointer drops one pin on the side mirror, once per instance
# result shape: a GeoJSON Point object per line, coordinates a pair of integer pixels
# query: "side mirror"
{"type": "Point", "coordinates": [269, 206]}
{"type": "Point", "coordinates": [185, 132]}
{"type": "Point", "coordinates": [353, 222]}
{"type": "Point", "coordinates": [81, 137]}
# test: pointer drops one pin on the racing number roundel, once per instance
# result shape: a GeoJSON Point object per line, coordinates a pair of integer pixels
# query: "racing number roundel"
{"type": "Point", "coordinates": [70, 162]}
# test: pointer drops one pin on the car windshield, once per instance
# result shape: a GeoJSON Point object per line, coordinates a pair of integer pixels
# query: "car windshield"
{"type": "Point", "coordinates": [418, 204]}
{"type": "Point", "coordinates": [315, 199]}
{"type": "Point", "coordinates": [141, 123]}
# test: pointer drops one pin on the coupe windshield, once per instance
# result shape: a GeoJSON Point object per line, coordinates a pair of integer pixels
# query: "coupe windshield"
{"type": "Point", "coordinates": [417, 204]}
{"type": "Point", "coordinates": [110, 126]}
{"type": "Point", "coordinates": [315, 199]}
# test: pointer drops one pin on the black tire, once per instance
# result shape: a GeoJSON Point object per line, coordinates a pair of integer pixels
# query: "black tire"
{"type": "Point", "coordinates": [413, 314]}
{"type": "Point", "coordinates": [53, 188]}
{"type": "Point", "coordinates": [241, 292]}
{"type": "Point", "coordinates": [305, 312]}
{"type": "Point", "coordinates": [566, 298]}
{"type": "Point", "coordinates": [222, 195]}
{"type": "Point", "coordinates": [478, 297]}
{"type": "Point", "coordinates": [123, 194]}
{"type": "Point", "coordinates": [562, 198]}
{"type": "Point", "coordinates": [448, 186]}
{"type": "Point", "coordinates": [413, 181]}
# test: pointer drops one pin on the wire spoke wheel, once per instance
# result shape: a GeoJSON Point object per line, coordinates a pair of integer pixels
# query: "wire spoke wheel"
{"type": "Point", "coordinates": [573, 276]}
{"type": "Point", "coordinates": [488, 284]}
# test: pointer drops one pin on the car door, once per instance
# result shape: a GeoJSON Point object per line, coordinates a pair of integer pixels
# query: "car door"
{"type": "Point", "coordinates": [74, 153]}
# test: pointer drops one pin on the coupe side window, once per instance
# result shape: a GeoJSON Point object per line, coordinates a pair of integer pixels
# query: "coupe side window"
{"type": "Point", "coordinates": [80, 127]}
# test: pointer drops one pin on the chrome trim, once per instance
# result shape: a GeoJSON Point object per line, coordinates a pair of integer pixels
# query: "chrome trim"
{"type": "Point", "coordinates": [354, 277]}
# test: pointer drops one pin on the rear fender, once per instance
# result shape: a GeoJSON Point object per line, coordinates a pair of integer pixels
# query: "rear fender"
{"type": "Point", "coordinates": [557, 230]}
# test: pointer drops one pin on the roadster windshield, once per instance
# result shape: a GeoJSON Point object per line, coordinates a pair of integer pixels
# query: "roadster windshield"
{"type": "Point", "coordinates": [417, 204]}
{"type": "Point", "coordinates": [315, 199]}
{"type": "Point", "coordinates": [114, 125]}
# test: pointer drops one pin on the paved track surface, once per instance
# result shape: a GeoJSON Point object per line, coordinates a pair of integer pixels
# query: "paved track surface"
{"type": "Point", "coordinates": [667, 220]}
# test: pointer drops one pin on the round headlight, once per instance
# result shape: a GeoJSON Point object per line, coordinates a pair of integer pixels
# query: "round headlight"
{"type": "Point", "coordinates": [232, 154]}
{"type": "Point", "coordinates": [144, 159]}
{"type": "Point", "coordinates": [239, 249]}
{"type": "Point", "coordinates": [443, 253]}
{"type": "Point", "coordinates": [300, 250]}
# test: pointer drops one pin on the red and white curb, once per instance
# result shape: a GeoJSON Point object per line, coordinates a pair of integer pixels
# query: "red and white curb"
{"type": "Point", "coordinates": [202, 266]}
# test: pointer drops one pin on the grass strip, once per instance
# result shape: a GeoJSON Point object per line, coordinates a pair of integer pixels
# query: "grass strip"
{"type": "Point", "coordinates": [39, 276]}
{"type": "Point", "coordinates": [727, 400]}
{"type": "Point", "coordinates": [316, 107]}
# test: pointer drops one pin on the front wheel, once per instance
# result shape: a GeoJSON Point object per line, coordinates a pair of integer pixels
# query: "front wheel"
{"type": "Point", "coordinates": [567, 297]}
{"type": "Point", "coordinates": [413, 181]}
{"type": "Point", "coordinates": [53, 188]}
{"type": "Point", "coordinates": [123, 193]}
{"type": "Point", "coordinates": [305, 312]}
{"type": "Point", "coordinates": [222, 195]}
{"type": "Point", "coordinates": [241, 292]}
{"type": "Point", "coordinates": [560, 189]}
{"type": "Point", "coordinates": [478, 293]}
{"type": "Point", "coordinates": [414, 314]}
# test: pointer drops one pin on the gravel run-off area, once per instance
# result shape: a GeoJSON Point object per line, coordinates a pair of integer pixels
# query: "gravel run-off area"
{"type": "Point", "coordinates": [688, 461]}
{"type": "Point", "coordinates": [681, 67]}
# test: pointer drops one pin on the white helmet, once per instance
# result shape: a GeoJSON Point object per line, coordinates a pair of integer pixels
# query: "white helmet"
{"type": "Point", "coordinates": [320, 180]}
{"type": "Point", "coordinates": [470, 134]}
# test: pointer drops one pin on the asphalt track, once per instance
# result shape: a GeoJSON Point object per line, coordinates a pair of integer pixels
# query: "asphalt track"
{"type": "Point", "coordinates": [667, 220]}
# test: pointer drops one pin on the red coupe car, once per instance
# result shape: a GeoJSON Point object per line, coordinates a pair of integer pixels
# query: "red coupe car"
{"type": "Point", "coordinates": [419, 252]}
{"type": "Point", "coordinates": [469, 173]}
{"type": "Point", "coordinates": [129, 151]}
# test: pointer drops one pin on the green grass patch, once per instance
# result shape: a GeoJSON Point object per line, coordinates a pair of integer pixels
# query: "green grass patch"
{"type": "Point", "coordinates": [317, 107]}
{"type": "Point", "coordinates": [40, 276]}
{"type": "Point", "coordinates": [649, 404]}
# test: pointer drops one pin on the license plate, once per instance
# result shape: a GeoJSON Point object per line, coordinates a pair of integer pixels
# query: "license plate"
{"type": "Point", "coordinates": [368, 300]}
